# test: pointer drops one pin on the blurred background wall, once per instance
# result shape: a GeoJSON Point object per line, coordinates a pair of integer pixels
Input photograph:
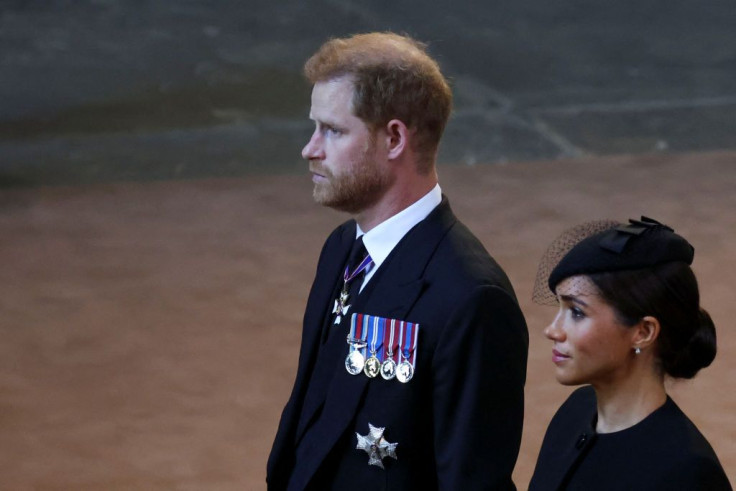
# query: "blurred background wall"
{"type": "Point", "coordinates": [101, 90]}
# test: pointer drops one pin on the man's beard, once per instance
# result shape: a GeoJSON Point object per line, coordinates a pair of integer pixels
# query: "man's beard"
{"type": "Point", "coordinates": [354, 191]}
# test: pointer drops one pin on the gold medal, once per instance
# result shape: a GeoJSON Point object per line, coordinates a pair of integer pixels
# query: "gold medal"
{"type": "Point", "coordinates": [372, 366]}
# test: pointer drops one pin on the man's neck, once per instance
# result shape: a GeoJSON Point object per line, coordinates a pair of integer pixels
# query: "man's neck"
{"type": "Point", "coordinates": [394, 201]}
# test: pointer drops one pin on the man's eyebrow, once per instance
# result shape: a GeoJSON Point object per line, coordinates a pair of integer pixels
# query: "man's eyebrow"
{"type": "Point", "coordinates": [323, 121]}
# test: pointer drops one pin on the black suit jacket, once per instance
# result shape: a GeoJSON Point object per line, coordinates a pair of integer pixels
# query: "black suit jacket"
{"type": "Point", "coordinates": [665, 451]}
{"type": "Point", "coordinates": [458, 422]}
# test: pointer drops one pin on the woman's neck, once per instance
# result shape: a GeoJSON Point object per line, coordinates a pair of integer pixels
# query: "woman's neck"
{"type": "Point", "coordinates": [625, 403]}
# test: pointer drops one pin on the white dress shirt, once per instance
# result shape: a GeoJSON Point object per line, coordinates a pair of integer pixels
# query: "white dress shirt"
{"type": "Point", "coordinates": [381, 240]}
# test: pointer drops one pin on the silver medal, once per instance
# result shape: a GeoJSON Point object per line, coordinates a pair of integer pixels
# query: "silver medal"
{"type": "Point", "coordinates": [388, 369]}
{"type": "Point", "coordinates": [404, 372]}
{"type": "Point", "coordinates": [354, 362]}
{"type": "Point", "coordinates": [341, 307]}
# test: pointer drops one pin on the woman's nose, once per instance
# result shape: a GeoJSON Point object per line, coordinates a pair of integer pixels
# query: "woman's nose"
{"type": "Point", "coordinates": [554, 330]}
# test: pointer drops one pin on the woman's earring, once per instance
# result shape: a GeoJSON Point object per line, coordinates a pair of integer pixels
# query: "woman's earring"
{"type": "Point", "coordinates": [637, 350]}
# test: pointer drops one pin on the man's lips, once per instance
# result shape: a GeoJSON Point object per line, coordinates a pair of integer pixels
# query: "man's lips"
{"type": "Point", "coordinates": [317, 173]}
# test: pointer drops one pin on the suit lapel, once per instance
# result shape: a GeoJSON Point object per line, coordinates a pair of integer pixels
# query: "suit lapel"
{"type": "Point", "coordinates": [402, 282]}
{"type": "Point", "coordinates": [319, 305]}
{"type": "Point", "coordinates": [393, 291]}
{"type": "Point", "coordinates": [316, 315]}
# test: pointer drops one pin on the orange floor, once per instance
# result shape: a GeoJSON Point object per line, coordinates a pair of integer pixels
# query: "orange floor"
{"type": "Point", "coordinates": [150, 331]}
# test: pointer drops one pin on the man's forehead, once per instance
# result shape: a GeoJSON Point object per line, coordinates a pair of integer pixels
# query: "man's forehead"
{"type": "Point", "coordinates": [331, 100]}
{"type": "Point", "coordinates": [339, 86]}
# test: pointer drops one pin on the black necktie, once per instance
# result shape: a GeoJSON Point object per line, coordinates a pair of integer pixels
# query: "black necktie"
{"type": "Point", "coordinates": [357, 253]}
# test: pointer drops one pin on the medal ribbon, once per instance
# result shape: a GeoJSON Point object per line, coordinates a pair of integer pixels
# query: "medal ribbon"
{"type": "Point", "coordinates": [364, 264]}
{"type": "Point", "coordinates": [358, 333]}
{"type": "Point", "coordinates": [414, 337]}
{"type": "Point", "coordinates": [408, 341]}
{"type": "Point", "coordinates": [375, 326]}
{"type": "Point", "coordinates": [388, 341]}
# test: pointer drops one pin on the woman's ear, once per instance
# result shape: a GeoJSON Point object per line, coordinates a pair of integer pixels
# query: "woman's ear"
{"type": "Point", "coordinates": [646, 333]}
{"type": "Point", "coordinates": [397, 138]}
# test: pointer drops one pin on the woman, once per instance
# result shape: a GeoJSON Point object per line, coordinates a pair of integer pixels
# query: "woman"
{"type": "Point", "coordinates": [629, 315]}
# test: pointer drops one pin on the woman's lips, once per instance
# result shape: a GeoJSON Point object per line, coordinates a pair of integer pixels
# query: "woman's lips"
{"type": "Point", "coordinates": [558, 357]}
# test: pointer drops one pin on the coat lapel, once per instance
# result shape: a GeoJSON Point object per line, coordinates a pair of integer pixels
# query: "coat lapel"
{"type": "Point", "coordinates": [401, 284]}
{"type": "Point", "coordinates": [394, 291]}
{"type": "Point", "coordinates": [319, 307]}
{"type": "Point", "coordinates": [316, 315]}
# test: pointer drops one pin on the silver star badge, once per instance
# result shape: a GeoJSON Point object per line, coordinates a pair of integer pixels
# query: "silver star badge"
{"type": "Point", "coordinates": [376, 446]}
{"type": "Point", "coordinates": [340, 308]}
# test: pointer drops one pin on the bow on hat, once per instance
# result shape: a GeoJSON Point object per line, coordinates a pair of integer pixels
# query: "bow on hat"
{"type": "Point", "coordinates": [617, 242]}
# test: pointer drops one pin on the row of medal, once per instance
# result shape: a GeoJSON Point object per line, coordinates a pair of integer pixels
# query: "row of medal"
{"type": "Point", "coordinates": [380, 345]}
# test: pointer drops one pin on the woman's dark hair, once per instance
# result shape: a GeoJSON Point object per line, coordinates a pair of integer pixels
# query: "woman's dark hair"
{"type": "Point", "coordinates": [668, 292]}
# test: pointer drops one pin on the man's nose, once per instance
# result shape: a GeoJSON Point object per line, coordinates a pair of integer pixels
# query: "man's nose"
{"type": "Point", "coordinates": [313, 148]}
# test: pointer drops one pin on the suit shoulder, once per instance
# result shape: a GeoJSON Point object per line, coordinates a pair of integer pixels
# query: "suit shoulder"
{"type": "Point", "coordinates": [344, 229]}
{"type": "Point", "coordinates": [461, 257]}
{"type": "Point", "coordinates": [338, 236]}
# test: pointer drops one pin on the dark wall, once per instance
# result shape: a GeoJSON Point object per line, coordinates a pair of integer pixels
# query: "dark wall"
{"type": "Point", "coordinates": [114, 90]}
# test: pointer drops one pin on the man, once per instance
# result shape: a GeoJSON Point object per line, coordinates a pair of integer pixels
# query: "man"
{"type": "Point", "coordinates": [427, 392]}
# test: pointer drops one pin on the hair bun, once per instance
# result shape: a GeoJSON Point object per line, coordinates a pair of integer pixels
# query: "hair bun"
{"type": "Point", "coordinates": [699, 352]}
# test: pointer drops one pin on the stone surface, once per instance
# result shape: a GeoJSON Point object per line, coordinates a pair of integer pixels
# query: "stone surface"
{"type": "Point", "coordinates": [150, 331]}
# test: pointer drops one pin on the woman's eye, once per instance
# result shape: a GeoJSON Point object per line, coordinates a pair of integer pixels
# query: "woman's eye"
{"type": "Point", "coordinates": [577, 313]}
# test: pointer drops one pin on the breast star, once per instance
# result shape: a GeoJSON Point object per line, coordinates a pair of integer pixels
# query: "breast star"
{"type": "Point", "coordinates": [376, 446]}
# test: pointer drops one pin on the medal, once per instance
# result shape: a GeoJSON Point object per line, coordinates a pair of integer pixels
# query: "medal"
{"type": "Point", "coordinates": [404, 372]}
{"type": "Point", "coordinates": [376, 446]}
{"type": "Point", "coordinates": [372, 365]}
{"type": "Point", "coordinates": [355, 361]}
{"type": "Point", "coordinates": [408, 354]}
{"type": "Point", "coordinates": [341, 306]}
{"type": "Point", "coordinates": [388, 367]}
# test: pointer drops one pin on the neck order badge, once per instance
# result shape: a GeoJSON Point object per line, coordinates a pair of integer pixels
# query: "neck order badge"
{"type": "Point", "coordinates": [341, 308]}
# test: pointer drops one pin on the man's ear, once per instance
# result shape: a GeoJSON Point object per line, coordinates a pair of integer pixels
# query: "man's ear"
{"type": "Point", "coordinates": [646, 333]}
{"type": "Point", "coordinates": [397, 138]}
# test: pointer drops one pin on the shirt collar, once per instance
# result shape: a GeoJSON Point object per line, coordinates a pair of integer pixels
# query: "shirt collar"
{"type": "Point", "coordinates": [381, 240]}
